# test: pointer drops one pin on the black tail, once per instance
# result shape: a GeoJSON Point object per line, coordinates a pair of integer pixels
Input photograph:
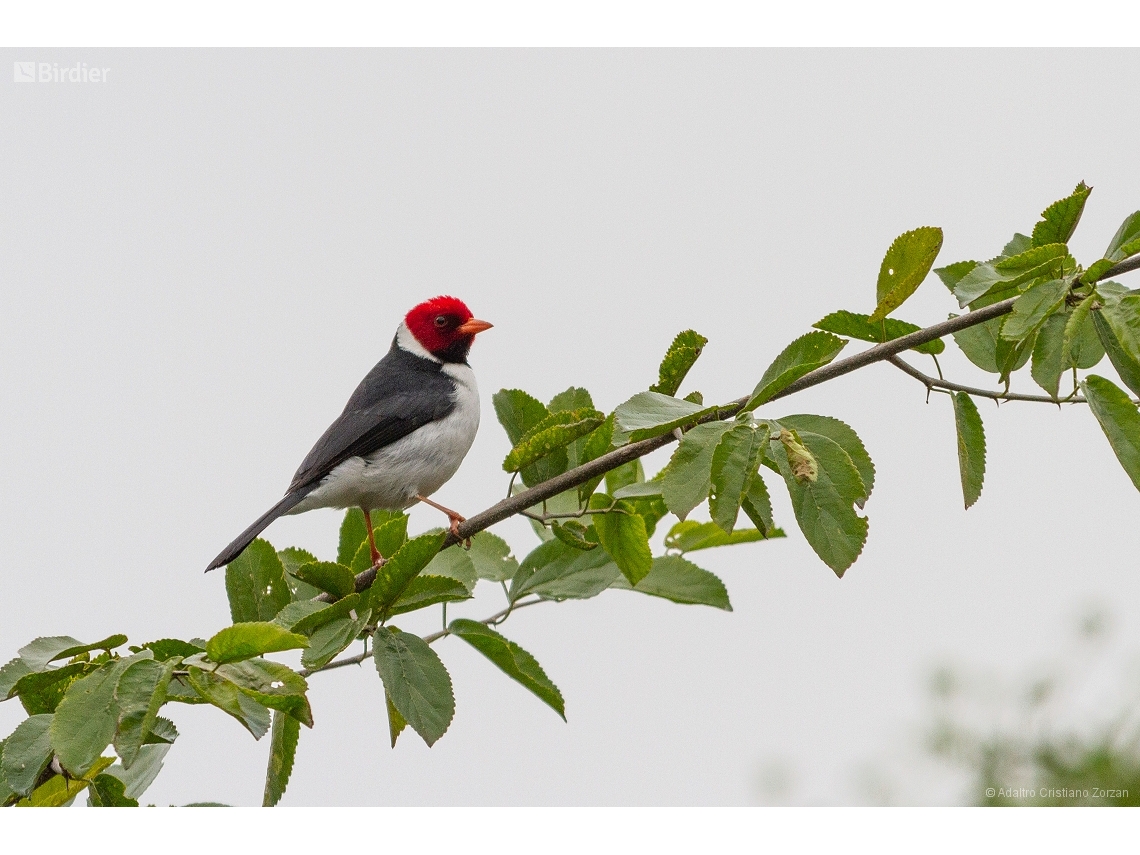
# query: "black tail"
{"type": "Point", "coordinates": [246, 537]}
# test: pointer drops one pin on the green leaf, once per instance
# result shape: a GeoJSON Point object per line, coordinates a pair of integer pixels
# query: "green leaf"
{"type": "Point", "coordinates": [690, 535]}
{"type": "Point", "coordinates": [807, 353]}
{"type": "Point", "coordinates": [7, 794]}
{"type": "Point", "coordinates": [734, 461]}
{"type": "Point", "coordinates": [1081, 346]}
{"type": "Point", "coordinates": [1048, 354]}
{"type": "Point", "coordinates": [623, 535]}
{"type": "Point", "coordinates": [172, 648]}
{"type": "Point", "coordinates": [333, 637]}
{"type": "Point", "coordinates": [1118, 326]}
{"type": "Point", "coordinates": [1006, 273]}
{"type": "Point", "coordinates": [246, 640]}
{"type": "Point", "coordinates": [574, 398]}
{"type": "Point", "coordinates": [255, 583]}
{"type": "Point", "coordinates": [649, 414]}
{"type": "Point", "coordinates": [1126, 242]}
{"type": "Point", "coordinates": [401, 568]}
{"type": "Point", "coordinates": [180, 691]}
{"type": "Point", "coordinates": [108, 791]}
{"type": "Point", "coordinates": [757, 506]}
{"type": "Point", "coordinates": [1012, 355]}
{"type": "Point", "coordinates": [307, 617]}
{"type": "Point", "coordinates": [492, 557]}
{"type": "Point", "coordinates": [979, 343]}
{"type": "Point", "coordinates": [415, 680]}
{"type": "Point", "coordinates": [639, 490]}
{"type": "Point", "coordinates": [904, 267]}
{"type": "Point", "coordinates": [824, 507]}
{"type": "Point", "coordinates": [1060, 219]}
{"type": "Point", "coordinates": [688, 477]}
{"type": "Point", "coordinates": [353, 532]}
{"type": "Point", "coordinates": [842, 434]}
{"type": "Point", "coordinates": [27, 752]}
{"type": "Point", "coordinates": [42, 651]}
{"type": "Point", "coordinates": [1119, 419]}
{"type": "Point", "coordinates": [681, 581]}
{"type": "Point", "coordinates": [1018, 244]}
{"type": "Point", "coordinates": [41, 691]}
{"type": "Point", "coordinates": [1096, 271]}
{"type": "Point", "coordinates": [389, 535]}
{"type": "Point", "coordinates": [424, 591]}
{"type": "Point", "coordinates": [163, 732]}
{"type": "Point", "coordinates": [272, 685]}
{"type": "Point", "coordinates": [282, 751]}
{"type": "Point", "coordinates": [333, 578]}
{"type": "Point", "coordinates": [553, 433]}
{"type": "Point", "coordinates": [518, 412]}
{"type": "Point", "coordinates": [140, 693]}
{"type": "Point", "coordinates": [396, 722]}
{"type": "Point", "coordinates": [573, 533]}
{"type": "Point", "coordinates": [679, 358]}
{"type": "Point", "coordinates": [952, 274]}
{"type": "Point", "coordinates": [11, 674]}
{"type": "Point", "coordinates": [556, 571]}
{"type": "Point", "coordinates": [86, 719]}
{"type": "Point", "coordinates": [591, 447]}
{"type": "Point", "coordinates": [227, 697]}
{"type": "Point", "coordinates": [971, 446]}
{"type": "Point", "coordinates": [456, 564]}
{"type": "Point", "coordinates": [861, 327]}
{"type": "Point", "coordinates": [625, 475]}
{"type": "Point", "coordinates": [292, 558]}
{"type": "Point", "coordinates": [515, 662]}
{"type": "Point", "coordinates": [61, 791]}
{"type": "Point", "coordinates": [145, 769]}
{"type": "Point", "coordinates": [1032, 308]}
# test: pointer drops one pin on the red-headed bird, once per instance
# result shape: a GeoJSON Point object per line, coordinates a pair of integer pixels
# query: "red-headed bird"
{"type": "Point", "coordinates": [402, 434]}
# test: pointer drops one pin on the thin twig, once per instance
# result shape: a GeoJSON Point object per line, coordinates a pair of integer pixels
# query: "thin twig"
{"type": "Point", "coordinates": [494, 620]}
{"type": "Point", "coordinates": [949, 386]}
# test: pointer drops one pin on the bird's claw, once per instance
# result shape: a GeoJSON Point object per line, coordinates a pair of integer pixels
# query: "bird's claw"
{"type": "Point", "coordinates": [454, 528]}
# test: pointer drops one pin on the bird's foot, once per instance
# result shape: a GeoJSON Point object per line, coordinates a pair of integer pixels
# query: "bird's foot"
{"type": "Point", "coordinates": [454, 517]}
{"type": "Point", "coordinates": [454, 528]}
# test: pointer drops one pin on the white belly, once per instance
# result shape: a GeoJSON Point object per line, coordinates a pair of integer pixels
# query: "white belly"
{"type": "Point", "coordinates": [418, 464]}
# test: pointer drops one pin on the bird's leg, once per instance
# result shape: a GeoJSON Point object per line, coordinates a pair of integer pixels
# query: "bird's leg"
{"type": "Point", "coordinates": [377, 558]}
{"type": "Point", "coordinates": [452, 516]}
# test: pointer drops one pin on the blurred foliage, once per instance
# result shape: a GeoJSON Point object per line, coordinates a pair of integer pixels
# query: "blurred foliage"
{"type": "Point", "coordinates": [1045, 742]}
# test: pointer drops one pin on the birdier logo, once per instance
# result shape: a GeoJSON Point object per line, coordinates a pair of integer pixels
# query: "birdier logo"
{"type": "Point", "coordinates": [52, 72]}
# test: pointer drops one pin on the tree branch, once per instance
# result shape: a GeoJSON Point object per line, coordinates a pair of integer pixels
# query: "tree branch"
{"type": "Point", "coordinates": [537, 494]}
{"type": "Point", "coordinates": [1122, 267]}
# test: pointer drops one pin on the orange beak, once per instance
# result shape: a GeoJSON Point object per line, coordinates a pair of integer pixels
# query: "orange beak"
{"type": "Point", "coordinates": [472, 327]}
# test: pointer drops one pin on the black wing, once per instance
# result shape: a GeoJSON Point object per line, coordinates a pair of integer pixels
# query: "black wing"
{"type": "Point", "coordinates": [402, 393]}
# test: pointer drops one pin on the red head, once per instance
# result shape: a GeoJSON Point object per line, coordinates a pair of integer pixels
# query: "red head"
{"type": "Point", "coordinates": [445, 327]}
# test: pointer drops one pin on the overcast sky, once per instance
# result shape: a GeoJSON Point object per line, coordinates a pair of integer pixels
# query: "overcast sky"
{"type": "Point", "coordinates": [201, 256]}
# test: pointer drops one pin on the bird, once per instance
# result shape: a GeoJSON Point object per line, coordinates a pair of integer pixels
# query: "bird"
{"type": "Point", "coordinates": [403, 433]}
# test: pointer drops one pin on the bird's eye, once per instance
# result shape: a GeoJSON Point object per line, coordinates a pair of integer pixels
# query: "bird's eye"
{"type": "Point", "coordinates": [441, 321]}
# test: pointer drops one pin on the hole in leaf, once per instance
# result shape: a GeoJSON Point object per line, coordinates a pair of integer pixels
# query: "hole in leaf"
{"type": "Point", "coordinates": [276, 684]}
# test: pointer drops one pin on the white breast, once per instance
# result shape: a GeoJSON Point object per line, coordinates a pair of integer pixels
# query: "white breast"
{"type": "Point", "coordinates": [418, 464]}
